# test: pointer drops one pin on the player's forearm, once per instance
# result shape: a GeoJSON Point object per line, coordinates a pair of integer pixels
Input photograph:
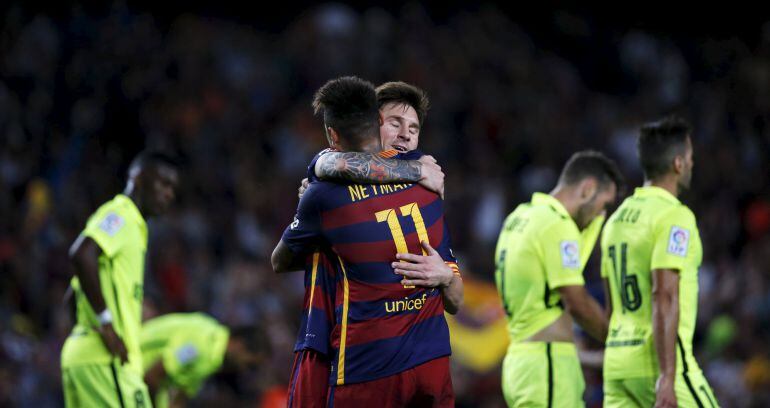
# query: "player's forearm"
{"type": "Point", "coordinates": [84, 256]}
{"type": "Point", "coordinates": [665, 324]}
{"type": "Point", "coordinates": [591, 317]}
{"type": "Point", "coordinates": [453, 295]}
{"type": "Point", "coordinates": [367, 168]}
{"type": "Point", "coordinates": [586, 311]}
{"type": "Point", "coordinates": [284, 260]}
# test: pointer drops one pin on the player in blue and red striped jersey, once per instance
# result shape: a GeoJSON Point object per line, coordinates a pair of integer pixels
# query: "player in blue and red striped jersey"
{"type": "Point", "coordinates": [391, 340]}
{"type": "Point", "coordinates": [403, 108]}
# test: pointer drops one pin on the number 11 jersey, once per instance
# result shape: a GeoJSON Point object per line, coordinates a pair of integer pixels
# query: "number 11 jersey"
{"type": "Point", "coordinates": [651, 230]}
{"type": "Point", "coordinates": [381, 327]}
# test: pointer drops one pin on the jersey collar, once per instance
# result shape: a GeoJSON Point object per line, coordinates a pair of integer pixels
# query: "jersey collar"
{"type": "Point", "coordinates": [547, 199]}
{"type": "Point", "coordinates": [654, 191]}
{"type": "Point", "coordinates": [132, 208]}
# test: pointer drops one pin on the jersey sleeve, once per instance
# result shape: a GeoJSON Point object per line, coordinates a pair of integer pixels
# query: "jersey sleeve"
{"type": "Point", "coordinates": [106, 228]}
{"type": "Point", "coordinates": [445, 249]}
{"type": "Point", "coordinates": [182, 361]}
{"type": "Point", "coordinates": [560, 245]}
{"type": "Point", "coordinates": [311, 176]}
{"type": "Point", "coordinates": [304, 233]}
{"type": "Point", "coordinates": [673, 235]}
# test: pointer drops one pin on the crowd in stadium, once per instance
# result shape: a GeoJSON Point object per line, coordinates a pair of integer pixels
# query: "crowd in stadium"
{"type": "Point", "coordinates": [81, 94]}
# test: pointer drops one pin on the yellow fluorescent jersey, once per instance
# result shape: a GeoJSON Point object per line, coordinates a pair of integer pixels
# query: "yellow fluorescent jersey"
{"type": "Point", "coordinates": [539, 250]}
{"type": "Point", "coordinates": [121, 232]}
{"type": "Point", "coordinates": [650, 230]}
{"type": "Point", "coordinates": [191, 347]}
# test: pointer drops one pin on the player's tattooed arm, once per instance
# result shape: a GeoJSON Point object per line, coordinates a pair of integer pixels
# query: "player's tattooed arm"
{"type": "Point", "coordinates": [367, 168]}
{"type": "Point", "coordinates": [371, 168]}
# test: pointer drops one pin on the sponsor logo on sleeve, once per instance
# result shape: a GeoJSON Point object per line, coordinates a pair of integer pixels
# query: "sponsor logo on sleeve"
{"type": "Point", "coordinates": [294, 223]}
{"type": "Point", "coordinates": [570, 254]}
{"type": "Point", "coordinates": [111, 224]}
{"type": "Point", "coordinates": [678, 240]}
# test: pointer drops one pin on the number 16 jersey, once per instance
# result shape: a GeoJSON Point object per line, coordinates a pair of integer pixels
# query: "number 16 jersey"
{"type": "Point", "coordinates": [651, 230]}
{"type": "Point", "coordinates": [382, 327]}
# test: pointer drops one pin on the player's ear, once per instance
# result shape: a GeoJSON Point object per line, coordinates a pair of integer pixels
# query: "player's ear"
{"type": "Point", "coordinates": [679, 164]}
{"type": "Point", "coordinates": [381, 118]}
{"type": "Point", "coordinates": [588, 188]}
{"type": "Point", "coordinates": [334, 136]}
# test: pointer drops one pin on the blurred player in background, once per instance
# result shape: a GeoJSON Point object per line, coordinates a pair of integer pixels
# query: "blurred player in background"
{"type": "Point", "coordinates": [403, 108]}
{"type": "Point", "coordinates": [391, 340]}
{"type": "Point", "coordinates": [542, 250]}
{"type": "Point", "coordinates": [101, 359]}
{"type": "Point", "coordinates": [181, 350]}
{"type": "Point", "coordinates": [651, 251]}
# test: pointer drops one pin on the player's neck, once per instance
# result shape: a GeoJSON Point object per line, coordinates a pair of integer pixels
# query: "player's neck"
{"type": "Point", "coordinates": [668, 183]}
{"type": "Point", "coordinates": [565, 196]}
{"type": "Point", "coordinates": [131, 193]}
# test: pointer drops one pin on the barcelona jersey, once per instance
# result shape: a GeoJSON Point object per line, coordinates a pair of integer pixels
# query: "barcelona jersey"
{"type": "Point", "coordinates": [380, 327]}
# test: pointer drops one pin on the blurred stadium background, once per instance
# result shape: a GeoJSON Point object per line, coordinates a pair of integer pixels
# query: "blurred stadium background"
{"type": "Point", "coordinates": [83, 88]}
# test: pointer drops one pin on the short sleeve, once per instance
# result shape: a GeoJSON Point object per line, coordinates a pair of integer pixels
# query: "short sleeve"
{"type": "Point", "coordinates": [445, 249]}
{"type": "Point", "coordinates": [673, 238]}
{"type": "Point", "coordinates": [304, 233]}
{"type": "Point", "coordinates": [106, 228]}
{"type": "Point", "coordinates": [560, 244]}
{"type": "Point", "coordinates": [181, 361]}
{"type": "Point", "coordinates": [311, 176]}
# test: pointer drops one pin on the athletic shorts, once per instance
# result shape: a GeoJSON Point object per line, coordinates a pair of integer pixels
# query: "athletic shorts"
{"type": "Point", "coordinates": [543, 374]}
{"type": "Point", "coordinates": [692, 390]}
{"type": "Point", "coordinates": [104, 385]}
{"type": "Point", "coordinates": [309, 381]}
{"type": "Point", "coordinates": [426, 385]}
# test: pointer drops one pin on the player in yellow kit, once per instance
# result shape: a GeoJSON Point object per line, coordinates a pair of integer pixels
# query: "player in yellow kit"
{"type": "Point", "coordinates": [651, 251]}
{"type": "Point", "coordinates": [101, 359]}
{"type": "Point", "coordinates": [181, 350]}
{"type": "Point", "coordinates": [542, 250]}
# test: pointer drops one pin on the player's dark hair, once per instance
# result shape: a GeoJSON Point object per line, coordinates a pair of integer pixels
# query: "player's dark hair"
{"type": "Point", "coordinates": [590, 163]}
{"type": "Point", "coordinates": [154, 158]}
{"type": "Point", "coordinates": [403, 93]}
{"type": "Point", "coordinates": [659, 142]}
{"type": "Point", "coordinates": [349, 106]}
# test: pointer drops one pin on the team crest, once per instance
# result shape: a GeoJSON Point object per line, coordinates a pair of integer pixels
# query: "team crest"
{"type": "Point", "coordinates": [570, 254]}
{"type": "Point", "coordinates": [678, 240]}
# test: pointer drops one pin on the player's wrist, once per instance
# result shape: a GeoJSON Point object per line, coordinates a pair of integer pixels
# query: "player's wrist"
{"type": "Point", "coordinates": [104, 317]}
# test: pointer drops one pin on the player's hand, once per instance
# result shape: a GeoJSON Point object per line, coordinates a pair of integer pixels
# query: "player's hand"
{"type": "Point", "coordinates": [302, 187]}
{"type": "Point", "coordinates": [423, 270]}
{"type": "Point", "coordinates": [665, 396]}
{"type": "Point", "coordinates": [432, 176]}
{"type": "Point", "coordinates": [113, 342]}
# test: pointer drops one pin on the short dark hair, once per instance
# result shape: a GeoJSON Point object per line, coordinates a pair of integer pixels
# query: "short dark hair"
{"type": "Point", "coordinates": [403, 93]}
{"type": "Point", "coordinates": [154, 158]}
{"type": "Point", "coordinates": [659, 142]}
{"type": "Point", "coordinates": [591, 163]}
{"type": "Point", "coordinates": [349, 106]}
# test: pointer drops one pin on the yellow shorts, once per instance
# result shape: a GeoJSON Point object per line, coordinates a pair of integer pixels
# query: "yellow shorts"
{"type": "Point", "coordinates": [692, 390]}
{"type": "Point", "coordinates": [540, 374]}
